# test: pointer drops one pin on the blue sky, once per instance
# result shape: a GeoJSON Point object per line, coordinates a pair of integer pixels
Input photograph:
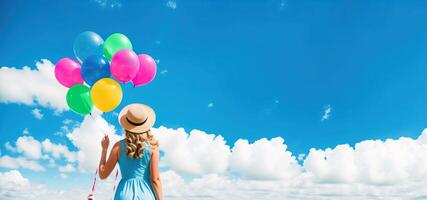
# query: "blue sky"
{"type": "Point", "coordinates": [267, 68]}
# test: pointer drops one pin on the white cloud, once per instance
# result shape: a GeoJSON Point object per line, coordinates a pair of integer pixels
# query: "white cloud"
{"type": "Point", "coordinates": [390, 169]}
{"type": "Point", "coordinates": [13, 178]}
{"type": "Point", "coordinates": [192, 153]}
{"type": "Point", "coordinates": [171, 5]}
{"type": "Point", "coordinates": [63, 176]}
{"type": "Point", "coordinates": [164, 72]}
{"type": "Point", "coordinates": [58, 150]}
{"type": "Point", "coordinates": [25, 131]}
{"type": "Point", "coordinates": [116, 5]}
{"type": "Point", "coordinates": [11, 183]}
{"type": "Point", "coordinates": [67, 124]}
{"type": "Point", "coordinates": [266, 169]}
{"type": "Point", "coordinates": [20, 162]}
{"type": "Point", "coordinates": [14, 186]}
{"type": "Point", "coordinates": [327, 113]}
{"type": "Point", "coordinates": [109, 3]}
{"type": "Point", "coordinates": [370, 161]}
{"type": "Point", "coordinates": [9, 147]}
{"type": "Point", "coordinates": [283, 5]}
{"type": "Point", "coordinates": [67, 121]}
{"type": "Point", "coordinates": [34, 149]}
{"type": "Point", "coordinates": [39, 86]}
{"type": "Point", "coordinates": [215, 186]}
{"type": "Point", "coordinates": [264, 159]}
{"type": "Point", "coordinates": [37, 113]}
{"type": "Point", "coordinates": [63, 131]}
{"type": "Point", "coordinates": [422, 139]}
{"type": "Point", "coordinates": [67, 168]}
{"type": "Point", "coordinates": [29, 146]}
{"type": "Point", "coordinates": [87, 138]}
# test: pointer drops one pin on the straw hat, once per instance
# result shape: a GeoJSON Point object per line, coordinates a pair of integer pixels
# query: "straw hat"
{"type": "Point", "coordinates": [137, 118]}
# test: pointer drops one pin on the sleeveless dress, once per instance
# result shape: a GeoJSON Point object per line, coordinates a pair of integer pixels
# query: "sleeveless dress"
{"type": "Point", "coordinates": [135, 183]}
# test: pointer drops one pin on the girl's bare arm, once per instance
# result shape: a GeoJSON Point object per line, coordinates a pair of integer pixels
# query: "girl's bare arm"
{"type": "Point", "coordinates": [154, 172]}
{"type": "Point", "coordinates": [105, 167]}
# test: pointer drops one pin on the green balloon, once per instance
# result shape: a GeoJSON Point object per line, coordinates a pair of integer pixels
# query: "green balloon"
{"type": "Point", "coordinates": [115, 43]}
{"type": "Point", "coordinates": [78, 99]}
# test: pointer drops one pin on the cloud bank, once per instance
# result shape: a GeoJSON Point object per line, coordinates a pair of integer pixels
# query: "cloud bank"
{"type": "Point", "coordinates": [201, 165]}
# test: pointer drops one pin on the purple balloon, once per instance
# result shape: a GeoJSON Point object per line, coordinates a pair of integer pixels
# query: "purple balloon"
{"type": "Point", "coordinates": [68, 72]}
{"type": "Point", "coordinates": [124, 65]}
{"type": "Point", "coordinates": [147, 70]}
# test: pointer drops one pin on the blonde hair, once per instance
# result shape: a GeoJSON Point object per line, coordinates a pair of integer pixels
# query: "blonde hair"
{"type": "Point", "coordinates": [135, 143]}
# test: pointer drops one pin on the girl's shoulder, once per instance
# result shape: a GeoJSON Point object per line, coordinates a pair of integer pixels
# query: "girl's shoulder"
{"type": "Point", "coordinates": [116, 149]}
{"type": "Point", "coordinates": [120, 142]}
{"type": "Point", "coordinates": [154, 149]}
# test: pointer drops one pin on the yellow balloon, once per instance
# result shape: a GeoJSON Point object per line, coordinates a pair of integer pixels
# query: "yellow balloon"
{"type": "Point", "coordinates": [106, 94]}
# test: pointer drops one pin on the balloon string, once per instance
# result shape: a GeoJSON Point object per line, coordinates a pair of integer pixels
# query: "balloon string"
{"type": "Point", "coordinates": [94, 182]}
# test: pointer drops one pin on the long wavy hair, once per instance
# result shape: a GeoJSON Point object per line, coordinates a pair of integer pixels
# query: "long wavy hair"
{"type": "Point", "coordinates": [135, 143]}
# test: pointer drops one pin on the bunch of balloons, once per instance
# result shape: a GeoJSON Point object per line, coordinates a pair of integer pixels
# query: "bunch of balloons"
{"type": "Point", "coordinates": [92, 78]}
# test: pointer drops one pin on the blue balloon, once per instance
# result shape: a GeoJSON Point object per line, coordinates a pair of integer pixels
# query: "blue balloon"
{"type": "Point", "coordinates": [95, 67]}
{"type": "Point", "coordinates": [86, 44]}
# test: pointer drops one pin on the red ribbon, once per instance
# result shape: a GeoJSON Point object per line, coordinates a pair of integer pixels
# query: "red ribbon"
{"type": "Point", "coordinates": [90, 197]}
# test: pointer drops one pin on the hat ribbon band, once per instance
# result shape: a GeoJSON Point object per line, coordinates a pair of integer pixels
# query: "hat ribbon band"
{"type": "Point", "coordinates": [136, 124]}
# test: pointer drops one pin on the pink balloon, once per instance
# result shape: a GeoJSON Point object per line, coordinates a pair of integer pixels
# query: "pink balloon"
{"type": "Point", "coordinates": [147, 70]}
{"type": "Point", "coordinates": [68, 72]}
{"type": "Point", "coordinates": [124, 65]}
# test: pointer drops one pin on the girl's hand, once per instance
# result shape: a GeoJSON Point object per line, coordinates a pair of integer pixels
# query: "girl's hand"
{"type": "Point", "coordinates": [105, 142]}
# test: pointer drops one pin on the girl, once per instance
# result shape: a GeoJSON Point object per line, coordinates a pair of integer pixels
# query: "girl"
{"type": "Point", "coordinates": [137, 155]}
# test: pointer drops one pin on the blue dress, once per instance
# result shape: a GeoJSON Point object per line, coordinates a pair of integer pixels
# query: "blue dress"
{"type": "Point", "coordinates": [135, 183]}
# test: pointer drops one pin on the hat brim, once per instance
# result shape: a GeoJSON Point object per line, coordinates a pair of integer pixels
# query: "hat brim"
{"type": "Point", "coordinates": [137, 129]}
